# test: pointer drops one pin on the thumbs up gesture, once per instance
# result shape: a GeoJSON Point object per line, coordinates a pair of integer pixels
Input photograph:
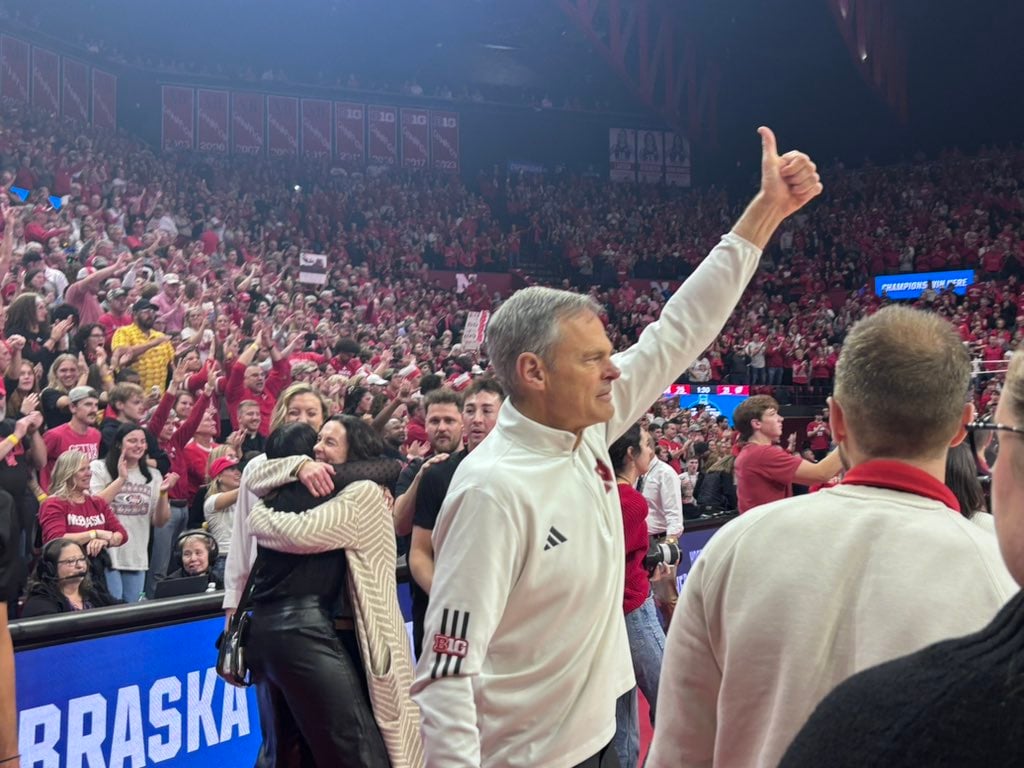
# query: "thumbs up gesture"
{"type": "Point", "coordinates": [788, 181]}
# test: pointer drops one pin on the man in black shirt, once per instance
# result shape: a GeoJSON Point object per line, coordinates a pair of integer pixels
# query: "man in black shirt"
{"type": "Point", "coordinates": [479, 415]}
{"type": "Point", "coordinates": [442, 410]}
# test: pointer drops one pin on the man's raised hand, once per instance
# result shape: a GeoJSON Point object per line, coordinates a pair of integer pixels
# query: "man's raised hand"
{"type": "Point", "coordinates": [788, 181]}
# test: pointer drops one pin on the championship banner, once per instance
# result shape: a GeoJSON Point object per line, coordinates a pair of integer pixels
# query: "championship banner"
{"type": "Point", "coordinates": [415, 138]}
{"type": "Point", "coordinates": [247, 123]}
{"type": "Point", "coordinates": [350, 132]}
{"type": "Point", "coordinates": [651, 157]}
{"type": "Point", "coordinates": [14, 83]}
{"type": "Point", "coordinates": [104, 100]}
{"type": "Point", "coordinates": [212, 121]}
{"type": "Point", "coordinates": [622, 154]}
{"type": "Point", "coordinates": [75, 103]}
{"type": "Point", "coordinates": [178, 130]}
{"type": "Point", "coordinates": [475, 331]}
{"type": "Point", "coordinates": [313, 268]}
{"type": "Point", "coordinates": [677, 160]}
{"type": "Point", "coordinates": [316, 128]}
{"type": "Point", "coordinates": [46, 80]}
{"type": "Point", "coordinates": [444, 140]}
{"type": "Point", "coordinates": [383, 143]}
{"type": "Point", "coordinates": [282, 126]}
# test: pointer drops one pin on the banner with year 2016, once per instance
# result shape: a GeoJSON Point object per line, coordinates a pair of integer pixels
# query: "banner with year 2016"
{"type": "Point", "coordinates": [212, 121]}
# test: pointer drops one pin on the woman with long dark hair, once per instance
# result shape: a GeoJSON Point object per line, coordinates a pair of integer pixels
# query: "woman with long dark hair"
{"type": "Point", "coordinates": [631, 456]}
{"type": "Point", "coordinates": [327, 644]}
{"type": "Point", "coordinates": [61, 582]}
{"type": "Point", "coordinates": [138, 495]}
{"type": "Point", "coordinates": [28, 316]}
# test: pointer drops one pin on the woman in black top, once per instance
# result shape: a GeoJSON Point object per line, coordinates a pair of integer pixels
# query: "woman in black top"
{"type": "Point", "coordinates": [302, 648]}
{"type": "Point", "coordinates": [65, 375]}
{"type": "Point", "coordinates": [61, 583]}
{"type": "Point", "coordinates": [27, 316]}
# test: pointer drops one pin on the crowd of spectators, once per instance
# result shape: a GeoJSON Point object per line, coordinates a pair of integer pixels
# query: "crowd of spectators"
{"type": "Point", "coordinates": [152, 305]}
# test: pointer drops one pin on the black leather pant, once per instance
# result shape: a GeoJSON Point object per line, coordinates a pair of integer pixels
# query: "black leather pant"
{"type": "Point", "coordinates": [311, 688]}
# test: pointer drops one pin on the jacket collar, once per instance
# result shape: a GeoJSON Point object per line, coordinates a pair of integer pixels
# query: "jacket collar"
{"type": "Point", "coordinates": [898, 476]}
{"type": "Point", "coordinates": [534, 435]}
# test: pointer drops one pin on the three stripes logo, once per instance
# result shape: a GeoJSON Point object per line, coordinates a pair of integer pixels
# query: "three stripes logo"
{"type": "Point", "coordinates": [555, 537]}
{"type": "Point", "coordinates": [450, 643]}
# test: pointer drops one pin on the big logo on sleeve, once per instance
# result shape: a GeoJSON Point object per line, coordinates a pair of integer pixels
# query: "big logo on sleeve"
{"type": "Point", "coordinates": [450, 643]}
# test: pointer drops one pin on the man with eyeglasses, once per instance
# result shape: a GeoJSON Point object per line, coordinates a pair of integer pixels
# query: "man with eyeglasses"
{"type": "Point", "coordinates": [797, 595]}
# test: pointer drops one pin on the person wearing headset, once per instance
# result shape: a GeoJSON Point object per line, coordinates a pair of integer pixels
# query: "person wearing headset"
{"type": "Point", "coordinates": [195, 553]}
{"type": "Point", "coordinates": [61, 582]}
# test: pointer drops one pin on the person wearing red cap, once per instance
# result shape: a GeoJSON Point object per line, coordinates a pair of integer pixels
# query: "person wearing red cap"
{"type": "Point", "coordinates": [219, 507]}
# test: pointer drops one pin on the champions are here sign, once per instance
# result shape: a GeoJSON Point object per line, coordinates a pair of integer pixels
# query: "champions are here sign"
{"type": "Point", "coordinates": [912, 285]}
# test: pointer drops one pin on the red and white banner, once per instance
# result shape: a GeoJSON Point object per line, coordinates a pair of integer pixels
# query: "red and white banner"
{"type": "Point", "coordinates": [104, 100]}
{"type": "Point", "coordinates": [622, 154]}
{"type": "Point", "coordinates": [212, 121]}
{"type": "Point", "coordinates": [316, 128]}
{"type": "Point", "coordinates": [178, 126]}
{"type": "Point", "coordinates": [415, 138]}
{"type": "Point", "coordinates": [248, 134]}
{"type": "Point", "coordinates": [282, 126]}
{"type": "Point", "coordinates": [383, 143]}
{"type": "Point", "coordinates": [46, 80]}
{"type": "Point", "coordinates": [350, 132]}
{"type": "Point", "coordinates": [444, 140]}
{"type": "Point", "coordinates": [75, 101]}
{"type": "Point", "coordinates": [14, 83]}
{"type": "Point", "coordinates": [677, 160]}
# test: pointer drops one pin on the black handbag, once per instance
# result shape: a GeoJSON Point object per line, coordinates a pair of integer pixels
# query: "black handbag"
{"type": "Point", "coordinates": [231, 666]}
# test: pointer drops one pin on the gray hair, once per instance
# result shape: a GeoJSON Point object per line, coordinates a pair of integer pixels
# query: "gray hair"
{"type": "Point", "coordinates": [902, 381]}
{"type": "Point", "coordinates": [528, 322]}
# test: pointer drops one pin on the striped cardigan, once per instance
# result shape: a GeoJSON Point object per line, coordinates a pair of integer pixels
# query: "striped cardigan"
{"type": "Point", "coordinates": [358, 521]}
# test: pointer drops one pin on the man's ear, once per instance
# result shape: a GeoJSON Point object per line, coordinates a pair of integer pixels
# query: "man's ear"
{"type": "Point", "coordinates": [837, 420]}
{"type": "Point", "coordinates": [531, 372]}
{"type": "Point", "coordinates": [966, 418]}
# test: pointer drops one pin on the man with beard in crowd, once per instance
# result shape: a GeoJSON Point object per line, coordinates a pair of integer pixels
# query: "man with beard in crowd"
{"type": "Point", "coordinates": [443, 419]}
{"type": "Point", "coordinates": [149, 352]}
{"type": "Point", "coordinates": [479, 415]}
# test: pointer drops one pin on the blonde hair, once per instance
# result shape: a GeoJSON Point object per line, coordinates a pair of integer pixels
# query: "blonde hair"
{"type": "Point", "coordinates": [902, 382]}
{"type": "Point", "coordinates": [52, 381]}
{"type": "Point", "coordinates": [216, 453]}
{"type": "Point", "coordinates": [68, 463]}
{"type": "Point", "coordinates": [300, 388]}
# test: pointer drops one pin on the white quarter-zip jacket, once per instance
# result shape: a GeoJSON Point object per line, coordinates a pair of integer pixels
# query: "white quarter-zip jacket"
{"type": "Point", "coordinates": [525, 648]}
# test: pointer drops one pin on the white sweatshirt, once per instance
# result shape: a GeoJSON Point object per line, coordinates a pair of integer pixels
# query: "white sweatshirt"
{"type": "Point", "coordinates": [525, 643]}
{"type": "Point", "coordinates": [792, 598]}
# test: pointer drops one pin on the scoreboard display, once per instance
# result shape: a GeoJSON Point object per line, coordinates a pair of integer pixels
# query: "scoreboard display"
{"type": "Point", "coordinates": [719, 399]}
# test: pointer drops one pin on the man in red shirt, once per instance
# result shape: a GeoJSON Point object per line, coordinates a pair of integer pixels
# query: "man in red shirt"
{"type": "Point", "coordinates": [117, 316]}
{"type": "Point", "coordinates": [248, 381]}
{"type": "Point", "coordinates": [819, 437]}
{"type": "Point", "coordinates": [765, 471]}
{"type": "Point", "coordinates": [79, 434]}
{"type": "Point", "coordinates": [82, 294]}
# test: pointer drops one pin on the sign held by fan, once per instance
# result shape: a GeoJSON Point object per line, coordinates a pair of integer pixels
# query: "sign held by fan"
{"type": "Point", "coordinates": [313, 268]}
{"type": "Point", "coordinates": [476, 328]}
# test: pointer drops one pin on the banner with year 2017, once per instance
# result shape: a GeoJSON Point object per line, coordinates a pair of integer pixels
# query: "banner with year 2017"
{"type": "Point", "coordinates": [415, 138]}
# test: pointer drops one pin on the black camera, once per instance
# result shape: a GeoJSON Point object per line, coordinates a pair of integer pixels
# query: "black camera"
{"type": "Point", "coordinates": [660, 552]}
